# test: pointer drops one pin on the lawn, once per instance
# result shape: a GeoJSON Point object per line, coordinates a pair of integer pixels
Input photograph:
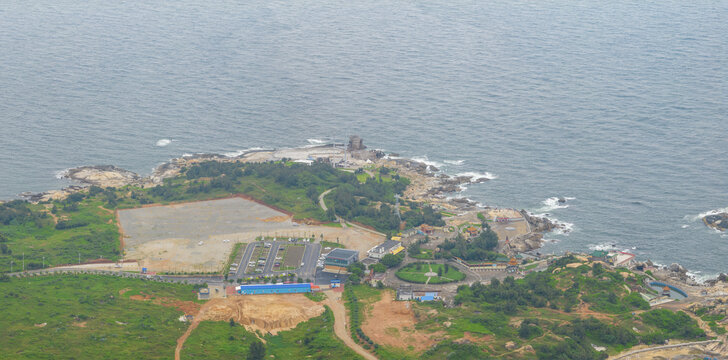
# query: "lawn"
{"type": "Point", "coordinates": [425, 254]}
{"type": "Point", "coordinates": [311, 339]}
{"type": "Point", "coordinates": [415, 273]}
{"type": "Point", "coordinates": [86, 317]}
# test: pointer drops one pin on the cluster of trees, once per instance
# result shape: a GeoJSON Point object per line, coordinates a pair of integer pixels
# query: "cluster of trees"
{"type": "Point", "coordinates": [17, 212]}
{"type": "Point", "coordinates": [477, 249]}
{"type": "Point", "coordinates": [535, 290]}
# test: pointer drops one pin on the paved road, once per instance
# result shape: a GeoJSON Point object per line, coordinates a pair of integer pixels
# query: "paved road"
{"type": "Point", "coordinates": [271, 259]}
{"type": "Point", "coordinates": [663, 347]}
{"type": "Point", "coordinates": [243, 264]}
{"type": "Point", "coordinates": [310, 256]}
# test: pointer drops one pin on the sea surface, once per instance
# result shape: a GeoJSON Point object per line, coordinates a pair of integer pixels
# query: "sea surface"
{"type": "Point", "coordinates": [619, 106]}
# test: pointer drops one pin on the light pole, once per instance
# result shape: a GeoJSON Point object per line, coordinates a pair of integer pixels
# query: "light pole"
{"type": "Point", "coordinates": [79, 258]}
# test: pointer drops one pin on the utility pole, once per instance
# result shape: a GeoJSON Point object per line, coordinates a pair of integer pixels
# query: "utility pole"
{"type": "Point", "coordinates": [79, 258]}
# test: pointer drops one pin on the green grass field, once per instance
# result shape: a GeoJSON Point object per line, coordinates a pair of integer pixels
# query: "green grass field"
{"type": "Point", "coordinates": [313, 339]}
{"type": "Point", "coordinates": [86, 317]}
{"type": "Point", "coordinates": [411, 273]}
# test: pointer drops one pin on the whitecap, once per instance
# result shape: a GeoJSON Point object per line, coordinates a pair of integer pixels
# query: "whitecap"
{"type": "Point", "coordinates": [552, 204]}
{"type": "Point", "coordinates": [603, 246]}
{"type": "Point", "coordinates": [476, 177]}
{"type": "Point", "coordinates": [425, 160]}
{"type": "Point", "coordinates": [60, 174]}
{"type": "Point", "coordinates": [685, 226]}
{"type": "Point", "coordinates": [163, 142]}
{"type": "Point", "coordinates": [704, 214]}
{"type": "Point", "coordinates": [454, 162]}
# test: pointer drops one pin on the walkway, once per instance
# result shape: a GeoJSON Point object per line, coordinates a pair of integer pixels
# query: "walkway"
{"type": "Point", "coordinates": [334, 301]}
{"type": "Point", "coordinates": [663, 347]}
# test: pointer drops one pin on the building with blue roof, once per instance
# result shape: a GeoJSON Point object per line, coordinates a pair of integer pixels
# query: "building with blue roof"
{"type": "Point", "coordinates": [273, 289]}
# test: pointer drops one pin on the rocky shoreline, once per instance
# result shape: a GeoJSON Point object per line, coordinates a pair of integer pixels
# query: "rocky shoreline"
{"type": "Point", "coordinates": [427, 184]}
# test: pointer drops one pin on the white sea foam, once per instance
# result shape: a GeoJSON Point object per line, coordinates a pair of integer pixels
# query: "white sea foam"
{"type": "Point", "coordinates": [163, 142]}
{"type": "Point", "coordinates": [60, 174]}
{"type": "Point", "coordinates": [685, 226]}
{"type": "Point", "coordinates": [701, 278]}
{"type": "Point", "coordinates": [427, 161]}
{"type": "Point", "coordinates": [316, 141]}
{"type": "Point", "coordinates": [704, 214]}
{"type": "Point", "coordinates": [237, 153]}
{"type": "Point", "coordinates": [564, 228]}
{"type": "Point", "coordinates": [187, 155]}
{"type": "Point", "coordinates": [478, 176]}
{"type": "Point", "coordinates": [552, 204]}
{"type": "Point", "coordinates": [603, 247]}
{"type": "Point", "coordinates": [454, 162]}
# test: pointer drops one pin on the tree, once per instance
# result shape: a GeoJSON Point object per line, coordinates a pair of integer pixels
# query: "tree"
{"type": "Point", "coordinates": [257, 351]}
{"type": "Point", "coordinates": [391, 261]}
{"type": "Point", "coordinates": [439, 271]}
{"type": "Point", "coordinates": [232, 322]}
{"type": "Point", "coordinates": [378, 268]}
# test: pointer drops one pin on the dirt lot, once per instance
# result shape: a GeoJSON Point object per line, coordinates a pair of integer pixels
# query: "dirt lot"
{"type": "Point", "coordinates": [294, 254]}
{"type": "Point", "coordinates": [392, 323]}
{"type": "Point", "coordinates": [267, 313]}
{"type": "Point", "coordinates": [167, 238]}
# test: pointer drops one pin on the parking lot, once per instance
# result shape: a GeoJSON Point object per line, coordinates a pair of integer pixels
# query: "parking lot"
{"type": "Point", "coordinates": [269, 258]}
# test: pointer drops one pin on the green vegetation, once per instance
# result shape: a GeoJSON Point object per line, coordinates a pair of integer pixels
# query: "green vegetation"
{"type": "Point", "coordinates": [357, 298]}
{"type": "Point", "coordinates": [476, 249]}
{"type": "Point", "coordinates": [311, 339]}
{"type": "Point", "coordinates": [372, 203]}
{"type": "Point", "coordinates": [316, 296]}
{"type": "Point", "coordinates": [331, 244]}
{"type": "Point", "coordinates": [415, 273]}
{"type": "Point", "coordinates": [29, 231]}
{"type": "Point", "coordinates": [89, 316]}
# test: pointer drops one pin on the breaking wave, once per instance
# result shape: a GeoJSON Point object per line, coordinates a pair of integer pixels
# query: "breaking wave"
{"type": "Point", "coordinates": [552, 204]}
{"type": "Point", "coordinates": [454, 162]}
{"type": "Point", "coordinates": [163, 142]}
{"type": "Point", "coordinates": [478, 176]}
{"type": "Point", "coordinates": [238, 153]}
{"type": "Point", "coordinates": [316, 141]}
{"type": "Point", "coordinates": [428, 162]}
{"type": "Point", "coordinates": [704, 214]}
{"type": "Point", "coordinates": [60, 174]}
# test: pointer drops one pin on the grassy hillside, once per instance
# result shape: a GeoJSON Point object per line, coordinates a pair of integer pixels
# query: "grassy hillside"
{"type": "Point", "coordinates": [556, 314]}
{"type": "Point", "coordinates": [88, 317]}
{"type": "Point", "coordinates": [311, 339]}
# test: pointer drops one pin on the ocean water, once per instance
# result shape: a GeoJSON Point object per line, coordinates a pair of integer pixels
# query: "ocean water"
{"type": "Point", "coordinates": [620, 106]}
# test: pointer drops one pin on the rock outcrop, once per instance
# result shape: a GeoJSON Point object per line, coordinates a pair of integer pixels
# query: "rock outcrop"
{"type": "Point", "coordinates": [717, 221]}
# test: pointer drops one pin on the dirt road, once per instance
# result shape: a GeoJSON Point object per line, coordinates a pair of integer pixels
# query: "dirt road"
{"type": "Point", "coordinates": [337, 307]}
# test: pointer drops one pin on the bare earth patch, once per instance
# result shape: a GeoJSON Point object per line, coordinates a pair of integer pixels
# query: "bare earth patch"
{"type": "Point", "coordinates": [392, 323]}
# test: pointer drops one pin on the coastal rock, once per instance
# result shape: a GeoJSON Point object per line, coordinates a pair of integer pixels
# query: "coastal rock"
{"type": "Point", "coordinates": [561, 200]}
{"type": "Point", "coordinates": [104, 176]}
{"type": "Point", "coordinates": [717, 221]}
{"type": "Point", "coordinates": [524, 243]}
{"type": "Point", "coordinates": [677, 268]}
{"type": "Point", "coordinates": [540, 224]}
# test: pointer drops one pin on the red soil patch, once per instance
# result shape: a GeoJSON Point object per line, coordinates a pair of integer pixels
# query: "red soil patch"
{"type": "Point", "coordinates": [188, 307]}
{"type": "Point", "coordinates": [393, 322]}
